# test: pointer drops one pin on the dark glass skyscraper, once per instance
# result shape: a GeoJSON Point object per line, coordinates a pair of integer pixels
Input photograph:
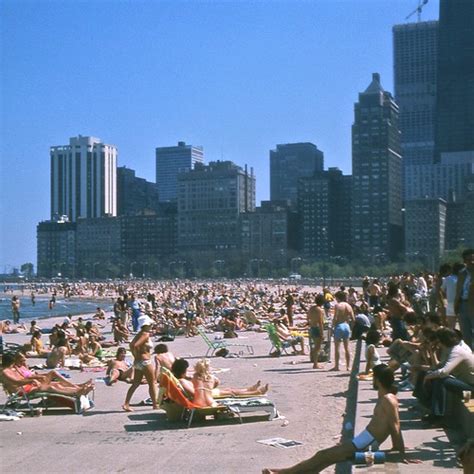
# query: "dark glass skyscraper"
{"type": "Point", "coordinates": [455, 97]}
{"type": "Point", "coordinates": [377, 176]}
{"type": "Point", "coordinates": [289, 163]}
{"type": "Point", "coordinates": [415, 49]}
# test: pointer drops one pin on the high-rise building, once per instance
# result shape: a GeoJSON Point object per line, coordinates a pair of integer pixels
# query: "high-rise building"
{"type": "Point", "coordinates": [425, 230]}
{"type": "Point", "coordinates": [324, 207]}
{"type": "Point", "coordinates": [455, 91]}
{"type": "Point", "coordinates": [460, 219]}
{"type": "Point", "coordinates": [377, 176]}
{"type": "Point", "coordinates": [210, 201]}
{"type": "Point", "coordinates": [135, 195]}
{"type": "Point", "coordinates": [56, 248]}
{"type": "Point", "coordinates": [265, 234]}
{"type": "Point", "coordinates": [415, 52]}
{"type": "Point", "coordinates": [98, 248]}
{"type": "Point", "coordinates": [83, 179]}
{"type": "Point", "coordinates": [172, 160]}
{"type": "Point", "coordinates": [415, 49]}
{"type": "Point", "coordinates": [289, 163]}
{"type": "Point", "coordinates": [148, 242]}
{"type": "Point", "coordinates": [444, 179]}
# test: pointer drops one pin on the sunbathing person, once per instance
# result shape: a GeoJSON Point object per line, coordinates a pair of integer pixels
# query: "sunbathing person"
{"type": "Point", "coordinates": [20, 365]}
{"type": "Point", "coordinates": [385, 422]}
{"type": "Point", "coordinates": [206, 386]}
{"type": "Point", "coordinates": [119, 369]}
{"type": "Point", "coordinates": [120, 331]}
{"type": "Point", "coordinates": [36, 346]}
{"type": "Point", "coordinates": [163, 358]}
{"type": "Point", "coordinates": [15, 381]}
{"type": "Point", "coordinates": [286, 337]}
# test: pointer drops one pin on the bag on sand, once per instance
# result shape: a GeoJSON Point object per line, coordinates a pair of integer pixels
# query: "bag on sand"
{"type": "Point", "coordinates": [223, 352]}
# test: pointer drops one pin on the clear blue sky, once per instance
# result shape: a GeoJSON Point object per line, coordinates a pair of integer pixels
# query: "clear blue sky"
{"type": "Point", "coordinates": [235, 77]}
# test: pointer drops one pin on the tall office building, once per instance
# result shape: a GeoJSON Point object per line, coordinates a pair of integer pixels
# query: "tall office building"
{"type": "Point", "coordinates": [324, 207]}
{"type": "Point", "coordinates": [415, 48]}
{"type": "Point", "coordinates": [210, 201]}
{"type": "Point", "coordinates": [172, 160]}
{"type": "Point", "coordinates": [135, 195]}
{"type": "Point", "coordinates": [439, 180]}
{"type": "Point", "coordinates": [289, 163]}
{"type": "Point", "coordinates": [83, 179]}
{"type": "Point", "coordinates": [425, 230]}
{"type": "Point", "coordinates": [56, 248]}
{"type": "Point", "coordinates": [377, 176]}
{"type": "Point", "coordinates": [264, 234]}
{"type": "Point", "coordinates": [455, 93]}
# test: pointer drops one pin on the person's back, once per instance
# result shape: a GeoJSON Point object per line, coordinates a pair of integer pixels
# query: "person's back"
{"type": "Point", "coordinates": [343, 313]}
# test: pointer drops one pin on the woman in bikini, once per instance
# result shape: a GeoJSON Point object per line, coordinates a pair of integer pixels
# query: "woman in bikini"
{"type": "Point", "coordinates": [206, 386]}
{"type": "Point", "coordinates": [17, 377]}
{"type": "Point", "coordinates": [141, 347]}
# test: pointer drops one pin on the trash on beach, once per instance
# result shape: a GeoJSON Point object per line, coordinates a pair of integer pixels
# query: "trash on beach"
{"type": "Point", "coordinates": [280, 442]}
{"type": "Point", "coordinates": [9, 418]}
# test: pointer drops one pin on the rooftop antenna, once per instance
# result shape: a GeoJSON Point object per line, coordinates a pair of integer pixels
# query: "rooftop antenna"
{"type": "Point", "coordinates": [419, 8]}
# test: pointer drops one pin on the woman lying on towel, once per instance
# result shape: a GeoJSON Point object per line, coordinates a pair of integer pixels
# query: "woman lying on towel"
{"type": "Point", "coordinates": [204, 386]}
{"type": "Point", "coordinates": [16, 376]}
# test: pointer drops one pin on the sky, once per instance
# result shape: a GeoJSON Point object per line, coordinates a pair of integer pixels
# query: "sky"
{"type": "Point", "coordinates": [236, 77]}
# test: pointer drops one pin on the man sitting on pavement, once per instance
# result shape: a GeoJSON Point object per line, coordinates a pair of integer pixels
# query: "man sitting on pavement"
{"type": "Point", "coordinates": [385, 422]}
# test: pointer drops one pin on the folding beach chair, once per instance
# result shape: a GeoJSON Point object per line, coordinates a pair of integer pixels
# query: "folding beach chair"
{"type": "Point", "coordinates": [46, 400]}
{"type": "Point", "coordinates": [213, 346]}
{"type": "Point", "coordinates": [171, 389]}
{"type": "Point", "coordinates": [278, 346]}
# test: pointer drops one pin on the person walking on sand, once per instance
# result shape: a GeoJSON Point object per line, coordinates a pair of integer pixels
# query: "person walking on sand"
{"type": "Point", "coordinates": [141, 347]}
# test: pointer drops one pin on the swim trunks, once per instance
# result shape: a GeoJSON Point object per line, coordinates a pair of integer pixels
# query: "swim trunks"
{"type": "Point", "coordinates": [342, 331]}
{"type": "Point", "coordinates": [314, 332]}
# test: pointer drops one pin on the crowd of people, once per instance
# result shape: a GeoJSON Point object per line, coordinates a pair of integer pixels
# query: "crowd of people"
{"type": "Point", "coordinates": [425, 321]}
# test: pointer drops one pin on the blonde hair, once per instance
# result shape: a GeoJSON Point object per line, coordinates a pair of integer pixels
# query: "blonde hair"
{"type": "Point", "coordinates": [202, 370]}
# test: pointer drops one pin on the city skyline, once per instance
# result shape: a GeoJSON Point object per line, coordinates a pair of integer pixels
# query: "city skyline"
{"type": "Point", "coordinates": [48, 95]}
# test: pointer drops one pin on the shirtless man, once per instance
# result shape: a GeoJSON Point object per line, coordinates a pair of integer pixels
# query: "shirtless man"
{"type": "Point", "coordinates": [385, 422]}
{"type": "Point", "coordinates": [99, 314]}
{"type": "Point", "coordinates": [118, 369]}
{"type": "Point", "coordinates": [374, 291]}
{"type": "Point", "coordinates": [163, 358]}
{"type": "Point", "coordinates": [316, 327]}
{"type": "Point", "coordinates": [343, 317]}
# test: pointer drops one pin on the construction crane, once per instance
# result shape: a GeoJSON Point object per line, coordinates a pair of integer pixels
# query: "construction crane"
{"type": "Point", "coordinates": [419, 8]}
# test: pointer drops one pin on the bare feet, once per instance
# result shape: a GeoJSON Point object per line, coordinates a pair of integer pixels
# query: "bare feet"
{"type": "Point", "coordinates": [316, 366]}
{"type": "Point", "coordinates": [256, 386]}
{"type": "Point", "coordinates": [126, 407]}
{"type": "Point", "coordinates": [263, 390]}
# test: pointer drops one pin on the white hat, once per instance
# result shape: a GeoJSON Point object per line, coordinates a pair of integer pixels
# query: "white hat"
{"type": "Point", "coordinates": [144, 320]}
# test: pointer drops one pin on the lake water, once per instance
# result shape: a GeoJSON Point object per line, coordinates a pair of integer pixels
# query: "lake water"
{"type": "Point", "coordinates": [40, 310]}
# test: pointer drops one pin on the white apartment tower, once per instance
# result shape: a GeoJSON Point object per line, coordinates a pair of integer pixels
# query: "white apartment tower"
{"type": "Point", "coordinates": [83, 179]}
